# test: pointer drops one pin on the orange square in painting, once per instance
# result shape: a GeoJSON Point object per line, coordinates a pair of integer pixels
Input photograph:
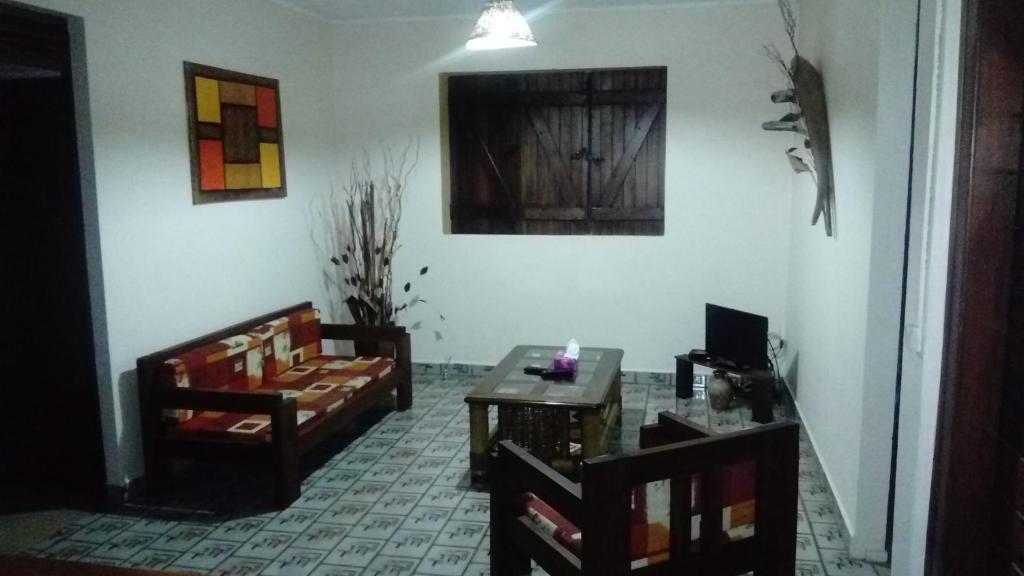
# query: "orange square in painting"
{"type": "Point", "coordinates": [211, 165]}
{"type": "Point", "coordinates": [266, 107]}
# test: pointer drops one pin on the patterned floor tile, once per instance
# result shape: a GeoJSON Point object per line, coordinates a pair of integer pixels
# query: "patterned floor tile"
{"type": "Point", "coordinates": [358, 552]}
{"type": "Point", "coordinates": [236, 566]}
{"type": "Point", "coordinates": [325, 570]}
{"type": "Point", "coordinates": [345, 512]}
{"type": "Point", "coordinates": [395, 503]}
{"type": "Point", "coordinates": [428, 519]}
{"type": "Point", "coordinates": [461, 534]}
{"type": "Point", "coordinates": [150, 559]}
{"type": "Point", "coordinates": [68, 550]}
{"type": "Point", "coordinates": [181, 538]}
{"type": "Point", "coordinates": [445, 561]}
{"type": "Point", "coordinates": [239, 530]}
{"type": "Point", "coordinates": [830, 536]}
{"type": "Point", "coordinates": [839, 563]}
{"type": "Point", "coordinates": [206, 555]}
{"type": "Point", "coordinates": [809, 569]}
{"type": "Point", "coordinates": [391, 566]}
{"type": "Point", "coordinates": [321, 536]}
{"type": "Point", "coordinates": [101, 530]}
{"type": "Point", "coordinates": [294, 562]}
{"type": "Point", "coordinates": [293, 520]}
{"type": "Point", "coordinates": [124, 545]}
{"type": "Point", "coordinates": [409, 544]}
{"type": "Point", "coordinates": [397, 500]}
{"type": "Point", "coordinates": [376, 526]}
{"type": "Point", "coordinates": [265, 545]}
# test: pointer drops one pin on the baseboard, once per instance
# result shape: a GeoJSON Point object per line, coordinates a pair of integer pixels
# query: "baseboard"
{"type": "Point", "coordinates": [872, 556]}
{"type": "Point", "coordinates": [117, 496]}
{"type": "Point", "coordinates": [824, 468]}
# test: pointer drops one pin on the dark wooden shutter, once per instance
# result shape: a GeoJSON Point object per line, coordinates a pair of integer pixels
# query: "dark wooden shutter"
{"type": "Point", "coordinates": [485, 155]}
{"type": "Point", "coordinates": [578, 152]}
{"type": "Point", "coordinates": [554, 175]}
{"type": "Point", "coordinates": [627, 193]}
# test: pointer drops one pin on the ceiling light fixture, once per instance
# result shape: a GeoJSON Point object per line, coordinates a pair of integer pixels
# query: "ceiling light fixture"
{"type": "Point", "coordinates": [501, 26]}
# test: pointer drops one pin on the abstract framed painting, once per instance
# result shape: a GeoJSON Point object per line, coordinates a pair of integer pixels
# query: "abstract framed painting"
{"type": "Point", "coordinates": [235, 135]}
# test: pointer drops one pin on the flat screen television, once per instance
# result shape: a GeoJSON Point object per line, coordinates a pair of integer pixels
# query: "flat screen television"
{"type": "Point", "coordinates": [736, 337]}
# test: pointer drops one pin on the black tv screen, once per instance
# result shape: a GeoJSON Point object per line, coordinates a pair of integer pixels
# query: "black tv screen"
{"type": "Point", "coordinates": [740, 338]}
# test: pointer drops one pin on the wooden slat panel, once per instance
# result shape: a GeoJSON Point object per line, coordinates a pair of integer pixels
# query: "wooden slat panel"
{"type": "Point", "coordinates": [544, 213]}
{"type": "Point", "coordinates": [602, 213]}
{"type": "Point", "coordinates": [558, 152]}
{"type": "Point", "coordinates": [553, 160]}
{"type": "Point", "coordinates": [549, 554]}
{"type": "Point", "coordinates": [611, 187]}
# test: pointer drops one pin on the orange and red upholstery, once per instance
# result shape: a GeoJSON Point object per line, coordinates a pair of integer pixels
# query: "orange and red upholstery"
{"type": "Point", "coordinates": [282, 356]}
{"type": "Point", "coordinates": [649, 523]}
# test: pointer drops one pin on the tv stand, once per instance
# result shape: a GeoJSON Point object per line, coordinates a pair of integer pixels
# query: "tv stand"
{"type": "Point", "coordinates": [761, 381]}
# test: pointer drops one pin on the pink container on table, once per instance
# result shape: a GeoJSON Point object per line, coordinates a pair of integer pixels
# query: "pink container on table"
{"type": "Point", "coordinates": [563, 362]}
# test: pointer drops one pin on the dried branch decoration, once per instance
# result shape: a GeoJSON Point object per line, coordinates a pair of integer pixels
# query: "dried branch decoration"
{"type": "Point", "coordinates": [806, 92]}
{"type": "Point", "coordinates": [362, 227]}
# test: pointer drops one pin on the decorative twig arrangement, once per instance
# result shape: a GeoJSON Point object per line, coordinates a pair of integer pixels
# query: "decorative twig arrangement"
{"type": "Point", "coordinates": [362, 235]}
{"type": "Point", "coordinates": [806, 92]}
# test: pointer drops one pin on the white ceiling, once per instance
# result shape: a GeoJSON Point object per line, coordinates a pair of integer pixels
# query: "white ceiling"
{"type": "Point", "coordinates": [339, 10]}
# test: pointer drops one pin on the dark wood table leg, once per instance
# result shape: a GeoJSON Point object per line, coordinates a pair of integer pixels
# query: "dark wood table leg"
{"type": "Point", "coordinates": [761, 402]}
{"type": "Point", "coordinates": [590, 421]}
{"type": "Point", "coordinates": [684, 377]}
{"type": "Point", "coordinates": [479, 441]}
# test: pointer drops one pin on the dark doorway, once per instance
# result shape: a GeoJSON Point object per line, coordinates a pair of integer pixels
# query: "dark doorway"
{"type": "Point", "coordinates": [978, 485]}
{"type": "Point", "coordinates": [51, 450]}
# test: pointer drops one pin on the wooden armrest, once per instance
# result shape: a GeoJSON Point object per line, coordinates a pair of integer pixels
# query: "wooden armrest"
{"type": "Point", "coordinates": [363, 333]}
{"type": "Point", "coordinates": [531, 475]}
{"type": "Point", "coordinates": [671, 428]}
{"type": "Point", "coordinates": [697, 456]}
{"type": "Point", "coordinates": [680, 428]}
{"type": "Point", "coordinates": [237, 401]}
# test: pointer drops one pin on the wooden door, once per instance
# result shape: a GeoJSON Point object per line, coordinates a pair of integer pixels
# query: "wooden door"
{"type": "Point", "coordinates": [51, 451]}
{"type": "Point", "coordinates": [978, 485]}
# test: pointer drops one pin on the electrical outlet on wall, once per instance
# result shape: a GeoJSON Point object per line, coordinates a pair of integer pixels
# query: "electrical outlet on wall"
{"type": "Point", "coordinates": [915, 340]}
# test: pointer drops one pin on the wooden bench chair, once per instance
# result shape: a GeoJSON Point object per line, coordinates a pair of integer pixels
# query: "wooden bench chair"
{"type": "Point", "coordinates": [750, 476]}
{"type": "Point", "coordinates": [226, 388]}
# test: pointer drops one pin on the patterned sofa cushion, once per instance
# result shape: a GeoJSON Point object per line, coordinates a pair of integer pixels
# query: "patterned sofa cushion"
{"type": "Point", "coordinates": [649, 516]}
{"type": "Point", "coordinates": [289, 341]}
{"type": "Point", "coordinates": [234, 363]}
{"type": "Point", "coordinates": [320, 386]}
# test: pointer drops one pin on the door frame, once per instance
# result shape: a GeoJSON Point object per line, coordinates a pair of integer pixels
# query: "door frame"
{"type": "Point", "coordinates": [981, 252]}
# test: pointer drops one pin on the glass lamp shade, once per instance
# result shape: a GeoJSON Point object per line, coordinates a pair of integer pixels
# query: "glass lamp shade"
{"type": "Point", "coordinates": [500, 26]}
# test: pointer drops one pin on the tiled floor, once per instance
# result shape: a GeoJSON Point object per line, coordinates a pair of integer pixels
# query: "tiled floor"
{"type": "Point", "coordinates": [396, 501]}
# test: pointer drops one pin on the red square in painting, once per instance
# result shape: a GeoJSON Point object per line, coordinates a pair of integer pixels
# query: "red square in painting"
{"type": "Point", "coordinates": [266, 107]}
{"type": "Point", "coordinates": [211, 165]}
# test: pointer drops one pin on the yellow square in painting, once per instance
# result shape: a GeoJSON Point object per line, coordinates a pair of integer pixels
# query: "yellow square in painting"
{"type": "Point", "coordinates": [270, 165]}
{"type": "Point", "coordinates": [242, 176]}
{"type": "Point", "coordinates": [207, 100]}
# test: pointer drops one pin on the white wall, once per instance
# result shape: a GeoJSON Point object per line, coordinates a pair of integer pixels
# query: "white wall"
{"type": "Point", "coordinates": [727, 196]}
{"type": "Point", "coordinates": [935, 147]}
{"type": "Point", "coordinates": [171, 270]}
{"type": "Point", "coordinates": [844, 292]}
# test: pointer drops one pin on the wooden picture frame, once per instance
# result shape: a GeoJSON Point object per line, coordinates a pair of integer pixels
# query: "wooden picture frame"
{"type": "Point", "coordinates": [235, 134]}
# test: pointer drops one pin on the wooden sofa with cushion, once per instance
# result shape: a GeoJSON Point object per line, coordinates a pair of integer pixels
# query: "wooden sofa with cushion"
{"type": "Point", "coordinates": [263, 390]}
{"type": "Point", "coordinates": [645, 513]}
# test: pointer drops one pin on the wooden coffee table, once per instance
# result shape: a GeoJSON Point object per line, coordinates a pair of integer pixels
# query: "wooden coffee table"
{"type": "Point", "coordinates": [536, 413]}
